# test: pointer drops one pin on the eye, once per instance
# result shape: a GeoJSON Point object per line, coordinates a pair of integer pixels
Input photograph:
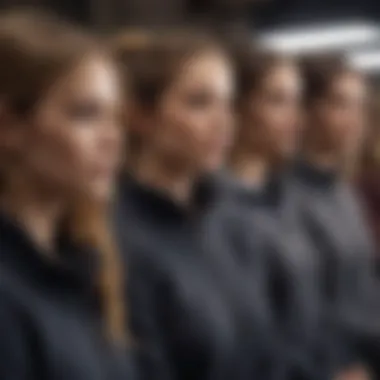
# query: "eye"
{"type": "Point", "coordinates": [84, 110]}
{"type": "Point", "coordinates": [198, 100]}
{"type": "Point", "coordinates": [276, 97]}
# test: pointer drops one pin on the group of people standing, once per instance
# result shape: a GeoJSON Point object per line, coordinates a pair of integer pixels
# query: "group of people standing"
{"type": "Point", "coordinates": [174, 206]}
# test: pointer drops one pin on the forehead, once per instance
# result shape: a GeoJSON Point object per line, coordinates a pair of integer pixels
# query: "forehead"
{"type": "Point", "coordinates": [207, 69]}
{"type": "Point", "coordinates": [349, 83]}
{"type": "Point", "coordinates": [94, 76]}
{"type": "Point", "coordinates": [283, 73]}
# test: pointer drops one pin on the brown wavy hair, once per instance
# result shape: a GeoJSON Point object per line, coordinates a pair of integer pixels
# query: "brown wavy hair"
{"type": "Point", "coordinates": [36, 48]}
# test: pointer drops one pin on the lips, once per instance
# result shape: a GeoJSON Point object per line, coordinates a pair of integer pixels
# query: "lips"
{"type": "Point", "coordinates": [104, 171]}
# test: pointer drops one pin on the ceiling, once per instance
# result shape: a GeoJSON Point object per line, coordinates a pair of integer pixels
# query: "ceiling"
{"type": "Point", "coordinates": [269, 13]}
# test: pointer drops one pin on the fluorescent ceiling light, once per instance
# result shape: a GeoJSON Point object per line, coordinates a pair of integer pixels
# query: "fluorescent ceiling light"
{"type": "Point", "coordinates": [321, 37]}
{"type": "Point", "coordinates": [367, 61]}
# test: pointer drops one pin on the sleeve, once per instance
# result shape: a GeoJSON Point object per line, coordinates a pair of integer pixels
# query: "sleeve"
{"type": "Point", "coordinates": [15, 359]}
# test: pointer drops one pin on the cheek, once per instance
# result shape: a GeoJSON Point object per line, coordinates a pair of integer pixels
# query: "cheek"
{"type": "Point", "coordinates": [59, 156]}
{"type": "Point", "coordinates": [278, 116]}
{"type": "Point", "coordinates": [337, 125]}
{"type": "Point", "coordinates": [275, 129]}
{"type": "Point", "coordinates": [183, 131]}
{"type": "Point", "coordinates": [269, 121]}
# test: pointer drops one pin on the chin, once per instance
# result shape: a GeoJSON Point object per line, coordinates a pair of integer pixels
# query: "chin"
{"type": "Point", "coordinates": [101, 193]}
{"type": "Point", "coordinates": [288, 151]}
{"type": "Point", "coordinates": [213, 165]}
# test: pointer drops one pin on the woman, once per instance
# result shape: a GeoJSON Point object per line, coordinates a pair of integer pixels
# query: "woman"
{"type": "Point", "coordinates": [268, 96]}
{"type": "Point", "coordinates": [335, 109]}
{"type": "Point", "coordinates": [181, 126]}
{"type": "Point", "coordinates": [268, 109]}
{"type": "Point", "coordinates": [61, 301]}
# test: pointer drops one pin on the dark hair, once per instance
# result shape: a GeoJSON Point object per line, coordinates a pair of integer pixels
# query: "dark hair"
{"type": "Point", "coordinates": [252, 65]}
{"type": "Point", "coordinates": [319, 73]}
{"type": "Point", "coordinates": [128, 46]}
{"type": "Point", "coordinates": [155, 65]}
{"type": "Point", "coordinates": [151, 66]}
{"type": "Point", "coordinates": [36, 49]}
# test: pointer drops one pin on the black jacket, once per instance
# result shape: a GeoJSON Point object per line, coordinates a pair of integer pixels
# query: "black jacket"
{"type": "Point", "coordinates": [50, 324]}
{"type": "Point", "coordinates": [335, 224]}
{"type": "Point", "coordinates": [292, 283]}
{"type": "Point", "coordinates": [202, 322]}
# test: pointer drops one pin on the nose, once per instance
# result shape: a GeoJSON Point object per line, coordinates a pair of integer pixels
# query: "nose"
{"type": "Point", "coordinates": [223, 115]}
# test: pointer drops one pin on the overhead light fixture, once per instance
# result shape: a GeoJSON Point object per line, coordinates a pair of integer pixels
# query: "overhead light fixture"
{"type": "Point", "coordinates": [320, 37]}
{"type": "Point", "coordinates": [366, 61]}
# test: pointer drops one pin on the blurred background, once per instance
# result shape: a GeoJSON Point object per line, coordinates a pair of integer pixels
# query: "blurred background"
{"type": "Point", "coordinates": [294, 26]}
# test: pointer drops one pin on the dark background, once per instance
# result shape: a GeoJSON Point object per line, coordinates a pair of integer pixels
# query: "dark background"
{"type": "Point", "coordinates": [252, 14]}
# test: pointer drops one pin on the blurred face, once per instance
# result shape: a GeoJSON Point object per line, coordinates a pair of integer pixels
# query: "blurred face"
{"type": "Point", "coordinates": [193, 119]}
{"type": "Point", "coordinates": [73, 142]}
{"type": "Point", "coordinates": [272, 114]}
{"type": "Point", "coordinates": [341, 116]}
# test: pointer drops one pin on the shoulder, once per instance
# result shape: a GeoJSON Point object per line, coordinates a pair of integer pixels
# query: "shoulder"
{"type": "Point", "coordinates": [14, 288]}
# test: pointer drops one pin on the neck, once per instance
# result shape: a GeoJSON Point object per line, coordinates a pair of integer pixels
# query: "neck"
{"type": "Point", "coordinates": [251, 170]}
{"type": "Point", "coordinates": [322, 160]}
{"type": "Point", "coordinates": [315, 154]}
{"type": "Point", "coordinates": [176, 183]}
{"type": "Point", "coordinates": [38, 214]}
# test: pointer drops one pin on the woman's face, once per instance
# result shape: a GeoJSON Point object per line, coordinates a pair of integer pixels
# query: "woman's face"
{"type": "Point", "coordinates": [193, 120]}
{"type": "Point", "coordinates": [72, 143]}
{"type": "Point", "coordinates": [341, 116]}
{"type": "Point", "coordinates": [271, 117]}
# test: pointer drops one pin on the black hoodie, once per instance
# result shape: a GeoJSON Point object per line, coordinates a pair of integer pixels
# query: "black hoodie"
{"type": "Point", "coordinates": [203, 320]}
{"type": "Point", "coordinates": [334, 222]}
{"type": "Point", "coordinates": [51, 326]}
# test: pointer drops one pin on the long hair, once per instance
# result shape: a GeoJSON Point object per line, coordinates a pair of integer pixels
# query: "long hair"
{"type": "Point", "coordinates": [36, 49]}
